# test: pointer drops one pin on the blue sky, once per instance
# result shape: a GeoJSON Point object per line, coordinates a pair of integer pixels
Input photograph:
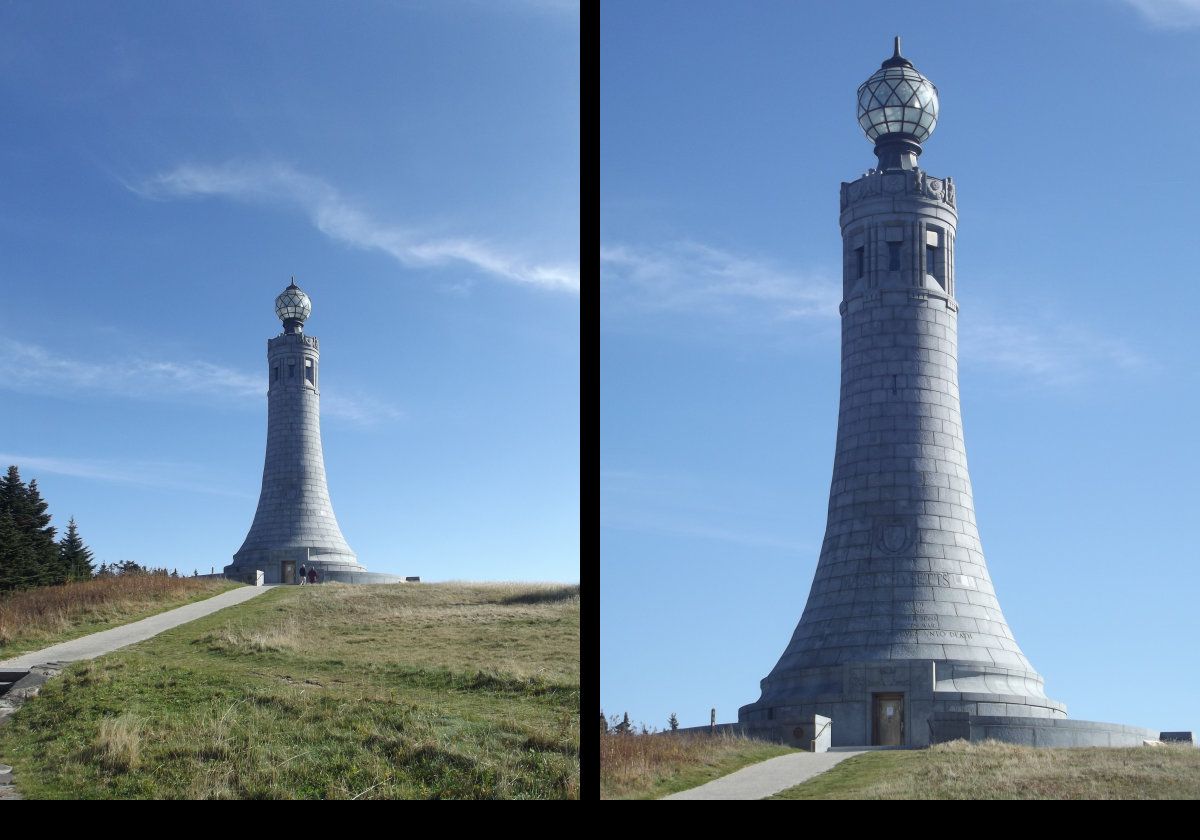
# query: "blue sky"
{"type": "Point", "coordinates": [1070, 129]}
{"type": "Point", "coordinates": [166, 167]}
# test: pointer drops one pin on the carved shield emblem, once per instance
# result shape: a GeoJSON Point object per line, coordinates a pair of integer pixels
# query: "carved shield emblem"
{"type": "Point", "coordinates": [893, 535]}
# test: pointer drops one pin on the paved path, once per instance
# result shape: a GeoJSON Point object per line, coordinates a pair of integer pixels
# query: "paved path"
{"type": "Point", "coordinates": [769, 777]}
{"type": "Point", "coordinates": [106, 641]}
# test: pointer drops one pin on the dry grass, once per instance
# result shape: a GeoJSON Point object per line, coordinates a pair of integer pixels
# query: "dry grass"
{"type": "Point", "coordinates": [515, 629]}
{"type": "Point", "coordinates": [651, 766]}
{"type": "Point", "coordinates": [993, 770]}
{"type": "Point", "coordinates": [286, 635]}
{"type": "Point", "coordinates": [118, 742]}
{"type": "Point", "coordinates": [33, 618]}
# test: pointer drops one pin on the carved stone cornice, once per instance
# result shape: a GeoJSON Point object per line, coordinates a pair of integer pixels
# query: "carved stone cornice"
{"type": "Point", "coordinates": [915, 183]}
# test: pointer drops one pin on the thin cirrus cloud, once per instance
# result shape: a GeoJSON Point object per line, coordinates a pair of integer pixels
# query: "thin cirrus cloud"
{"type": "Point", "coordinates": [157, 474]}
{"type": "Point", "coordinates": [693, 277]}
{"type": "Point", "coordinates": [688, 278]}
{"type": "Point", "coordinates": [340, 219]}
{"type": "Point", "coordinates": [1169, 14]}
{"type": "Point", "coordinates": [33, 369]}
{"type": "Point", "coordinates": [1051, 353]}
{"type": "Point", "coordinates": [686, 506]}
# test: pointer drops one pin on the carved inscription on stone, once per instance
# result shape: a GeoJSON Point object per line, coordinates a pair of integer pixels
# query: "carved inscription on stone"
{"type": "Point", "coordinates": [884, 579]}
{"type": "Point", "coordinates": [917, 622]}
{"type": "Point", "coordinates": [960, 635]}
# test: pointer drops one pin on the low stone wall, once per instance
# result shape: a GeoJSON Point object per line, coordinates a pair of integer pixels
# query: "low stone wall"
{"type": "Point", "coordinates": [326, 575]}
{"type": "Point", "coordinates": [720, 729]}
{"type": "Point", "coordinates": [1036, 732]}
{"type": "Point", "coordinates": [953, 726]}
{"type": "Point", "coordinates": [360, 577]}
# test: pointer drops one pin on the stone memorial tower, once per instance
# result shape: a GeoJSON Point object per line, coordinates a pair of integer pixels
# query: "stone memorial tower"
{"type": "Point", "coordinates": [294, 524]}
{"type": "Point", "coordinates": [902, 632]}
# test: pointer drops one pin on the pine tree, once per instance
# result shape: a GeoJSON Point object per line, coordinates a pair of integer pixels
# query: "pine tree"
{"type": "Point", "coordinates": [674, 721]}
{"type": "Point", "coordinates": [16, 561]}
{"type": "Point", "coordinates": [31, 519]}
{"type": "Point", "coordinates": [11, 489]}
{"type": "Point", "coordinates": [74, 557]}
{"type": "Point", "coordinates": [28, 553]}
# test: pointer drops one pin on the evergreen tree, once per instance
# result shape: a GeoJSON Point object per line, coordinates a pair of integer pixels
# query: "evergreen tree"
{"type": "Point", "coordinates": [16, 561]}
{"type": "Point", "coordinates": [11, 489]}
{"type": "Point", "coordinates": [674, 721]}
{"type": "Point", "coordinates": [74, 557]}
{"type": "Point", "coordinates": [41, 535]}
{"type": "Point", "coordinates": [28, 553]}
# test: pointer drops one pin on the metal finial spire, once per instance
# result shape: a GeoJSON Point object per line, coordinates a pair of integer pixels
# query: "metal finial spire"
{"type": "Point", "coordinates": [897, 60]}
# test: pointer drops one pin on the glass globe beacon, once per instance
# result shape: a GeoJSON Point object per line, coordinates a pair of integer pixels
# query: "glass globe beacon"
{"type": "Point", "coordinates": [293, 304]}
{"type": "Point", "coordinates": [897, 100]}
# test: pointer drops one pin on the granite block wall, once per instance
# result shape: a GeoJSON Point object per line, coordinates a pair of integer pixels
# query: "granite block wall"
{"type": "Point", "coordinates": [294, 520]}
{"type": "Point", "coordinates": [901, 581]}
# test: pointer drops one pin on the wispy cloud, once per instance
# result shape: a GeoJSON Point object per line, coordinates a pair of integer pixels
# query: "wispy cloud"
{"type": "Point", "coordinates": [159, 474]}
{"type": "Point", "coordinates": [689, 276]}
{"type": "Point", "coordinates": [341, 219]}
{"type": "Point", "coordinates": [692, 508]}
{"type": "Point", "coordinates": [366, 411]}
{"type": "Point", "coordinates": [31, 368]}
{"type": "Point", "coordinates": [1051, 353]}
{"type": "Point", "coordinates": [1169, 14]}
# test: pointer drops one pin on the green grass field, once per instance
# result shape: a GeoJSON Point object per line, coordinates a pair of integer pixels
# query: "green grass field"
{"type": "Point", "coordinates": [36, 618]}
{"type": "Point", "coordinates": [991, 770]}
{"type": "Point", "coordinates": [332, 691]}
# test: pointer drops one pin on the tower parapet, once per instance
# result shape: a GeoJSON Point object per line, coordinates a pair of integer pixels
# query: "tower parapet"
{"type": "Point", "coordinates": [898, 230]}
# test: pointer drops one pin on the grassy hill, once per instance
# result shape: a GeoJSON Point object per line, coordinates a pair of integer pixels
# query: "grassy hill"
{"type": "Point", "coordinates": [655, 765]}
{"type": "Point", "coordinates": [992, 770]}
{"type": "Point", "coordinates": [332, 691]}
{"type": "Point", "coordinates": [36, 618]}
{"type": "Point", "coordinates": [652, 766]}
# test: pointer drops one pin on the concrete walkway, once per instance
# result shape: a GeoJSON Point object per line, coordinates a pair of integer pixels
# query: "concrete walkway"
{"type": "Point", "coordinates": [766, 778]}
{"type": "Point", "coordinates": [106, 641]}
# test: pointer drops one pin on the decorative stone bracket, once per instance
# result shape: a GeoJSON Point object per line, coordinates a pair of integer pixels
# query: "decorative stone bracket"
{"type": "Point", "coordinates": [914, 182]}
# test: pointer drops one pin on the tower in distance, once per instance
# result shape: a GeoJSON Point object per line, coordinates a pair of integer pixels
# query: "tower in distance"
{"type": "Point", "coordinates": [295, 525]}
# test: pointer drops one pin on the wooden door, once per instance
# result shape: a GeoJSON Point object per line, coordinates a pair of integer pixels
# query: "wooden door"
{"type": "Point", "coordinates": [889, 720]}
